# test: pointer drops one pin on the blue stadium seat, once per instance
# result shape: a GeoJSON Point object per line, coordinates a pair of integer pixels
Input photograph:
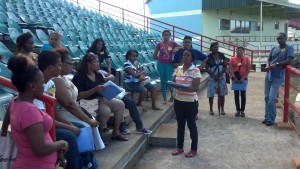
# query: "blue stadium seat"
{"type": "Point", "coordinates": [5, 98]}
{"type": "Point", "coordinates": [6, 52]}
{"type": "Point", "coordinates": [37, 42]}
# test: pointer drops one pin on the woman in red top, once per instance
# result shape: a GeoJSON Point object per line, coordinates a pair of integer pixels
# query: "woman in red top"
{"type": "Point", "coordinates": [239, 66]}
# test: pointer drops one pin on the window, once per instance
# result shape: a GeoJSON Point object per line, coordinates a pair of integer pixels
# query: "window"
{"type": "Point", "coordinates": [238, 26]}
{"type": "Point", "coordinates": [255, 26]}
{"type": "Point", "coordinates": [224, 24]}
{"type": "Point", "coordinates": [276, 25]}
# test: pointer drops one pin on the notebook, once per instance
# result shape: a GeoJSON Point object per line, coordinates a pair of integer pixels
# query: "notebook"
{"type": "Point", "coordinates": [178, 84]}
{"type": "Point", "coordinates": [85, 140]}
{"type": "Point", "coordinates": [111, 90]}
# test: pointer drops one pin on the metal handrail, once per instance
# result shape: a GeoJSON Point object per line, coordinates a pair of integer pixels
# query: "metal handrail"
{"type": "Point", "coordinates": [48, 100]}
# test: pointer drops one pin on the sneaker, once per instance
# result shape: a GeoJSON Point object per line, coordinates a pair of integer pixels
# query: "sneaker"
{"type": "Point", "coordinates": [144, 131]}
{"type": "Point", "coordinates": [264, 121]}
{"type": "Point", "coordinates": [124, 130]}
{"type": "Point", "coordinates": [268, 123]}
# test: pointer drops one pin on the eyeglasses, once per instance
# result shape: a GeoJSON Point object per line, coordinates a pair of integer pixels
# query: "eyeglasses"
{"type": "Point", "coordinates": [69, 63]}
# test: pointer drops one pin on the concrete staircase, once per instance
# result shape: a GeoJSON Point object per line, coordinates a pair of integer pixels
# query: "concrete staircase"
{"type": "Point", "coordinates": [125, 155]}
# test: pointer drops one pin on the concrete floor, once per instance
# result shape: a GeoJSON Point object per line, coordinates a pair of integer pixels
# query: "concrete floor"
{"type": "Point", "coordinates": [229, 142]}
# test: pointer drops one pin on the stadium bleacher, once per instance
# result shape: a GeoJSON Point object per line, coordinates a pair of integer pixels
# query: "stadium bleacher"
{"type": "Point", "coordinates": [78, 27]}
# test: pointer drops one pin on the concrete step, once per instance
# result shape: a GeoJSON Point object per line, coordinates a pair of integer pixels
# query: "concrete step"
{"type": "Point", "coordinates": [125, 155]}
{"type": "Point", "coordinates": [164, 136]}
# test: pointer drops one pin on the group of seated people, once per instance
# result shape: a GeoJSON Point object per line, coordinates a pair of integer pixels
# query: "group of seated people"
{"type": "Point", "coordinates": [79, 102]}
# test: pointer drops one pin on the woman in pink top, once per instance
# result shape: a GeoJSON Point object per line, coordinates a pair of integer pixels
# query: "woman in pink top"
{"type": "Point", "coordinates": [166, 49]}
{"type": "Point", "coordinates": [29, 125]}
{"type": "Point", "coordinates": [239, 67]}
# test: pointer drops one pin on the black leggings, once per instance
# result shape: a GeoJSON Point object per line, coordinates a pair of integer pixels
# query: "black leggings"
{"type": "Point", "coordinates": [237, 100]}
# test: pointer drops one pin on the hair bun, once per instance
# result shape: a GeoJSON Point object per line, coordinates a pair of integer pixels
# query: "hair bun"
{"type": "Point", "coordinates": [17, 64]}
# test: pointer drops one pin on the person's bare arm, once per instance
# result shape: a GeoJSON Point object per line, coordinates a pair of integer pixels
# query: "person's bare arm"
{"type": "Point", "coordinates": [193, 88]}
{"type": "Point", "coordinates": [155, 53]}
{"type": "Point", "coordinates": [65, 100]}
{"type": "Point", "coordinates": [202, 64]}
{"type": "Point", "coordinates": [107, 60]}
{"type": "Point", "coordinates": [35, 135]}
{"type": "Point", "coordinates": [70, 127]}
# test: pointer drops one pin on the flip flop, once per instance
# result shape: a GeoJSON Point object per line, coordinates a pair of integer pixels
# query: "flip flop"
{"type": "Point", "coordinates": [119, 137]}
{"type": "Point", "coordinates": [177, 152]}
{"type": "Point", "coordinates": [191, 154]}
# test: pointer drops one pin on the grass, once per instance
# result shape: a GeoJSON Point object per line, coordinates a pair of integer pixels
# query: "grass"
{"type": "Point", "coordinates": [293, 93]}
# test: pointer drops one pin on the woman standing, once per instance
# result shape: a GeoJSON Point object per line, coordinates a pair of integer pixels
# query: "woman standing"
{"type": "Point", "coordinates": [30, 126]}
{"type": "Point", "coordinates": [98, 48]}
{"type": "Point", "coordinates": [186, 102]}
{"type": "Point", "coordinates": [239, 69]}
{"type": "Point", "coordinates": [164, 61]}
{"type": "Point", "coordinates": [25, 45]}
{"type": "Point", "coordinates": [216, 66]}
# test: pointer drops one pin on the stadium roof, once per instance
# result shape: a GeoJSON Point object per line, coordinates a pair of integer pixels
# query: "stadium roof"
{"type": "Point", "coordinates": [272, 8]}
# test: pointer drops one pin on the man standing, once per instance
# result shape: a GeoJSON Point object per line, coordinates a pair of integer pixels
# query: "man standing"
{"type": "Point", "coordinates": [187, 44]}
{"type": "Point", "coordinates": [279, 57]}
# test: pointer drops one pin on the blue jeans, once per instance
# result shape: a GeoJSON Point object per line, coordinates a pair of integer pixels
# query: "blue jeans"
{"type": "Point", "coordinates": [72, 155]}
{"type": "Point", "coordinates": [133, 111]}
{"type": "Point", "coordinates": [165, 74]}
{"type": "Point", "coordinates": [271, 91]}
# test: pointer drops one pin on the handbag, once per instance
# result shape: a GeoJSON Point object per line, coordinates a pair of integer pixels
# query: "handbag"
{"type": "Point", "coordinates": [91, 106]}
{"type": "Point", "coordinates": [227, 78]}
{"type": "Point", "coordinates": [237, 73]}
{"type": "Point", "coordinates": [8, 147]}
{"type": "Point", "coordinates": [61, 162]}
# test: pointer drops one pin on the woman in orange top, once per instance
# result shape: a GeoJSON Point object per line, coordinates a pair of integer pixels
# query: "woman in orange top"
{"type": "Point", "coordinates": [239, 69]}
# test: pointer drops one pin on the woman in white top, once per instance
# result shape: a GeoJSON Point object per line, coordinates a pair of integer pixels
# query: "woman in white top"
{"type": "Point", "coordinates": [66, 94]}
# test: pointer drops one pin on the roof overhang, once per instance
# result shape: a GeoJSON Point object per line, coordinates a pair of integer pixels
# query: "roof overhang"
{"type": "Point", "coordinates": [281, 9]}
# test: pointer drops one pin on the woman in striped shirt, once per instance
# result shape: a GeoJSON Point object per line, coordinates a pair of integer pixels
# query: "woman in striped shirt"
{"type": "Point", "coordinates": [186, 101]}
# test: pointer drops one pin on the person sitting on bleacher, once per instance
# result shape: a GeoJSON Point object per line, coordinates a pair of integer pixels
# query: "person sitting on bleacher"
{"type": "Point", "coordinates": [89, 83]}
{"type": "Point", "coordinates": [133, 111]}
{"type": "Point", "coordinates": [54, 40]}
{"type": "Point", "coordinates": [98, 48]}
{"type": "Point", "coordinates": [50, 64]}
{"type": "Point", "coordinates": [25, 46]}
{"type": "Point", "coordinates": [136, 79]}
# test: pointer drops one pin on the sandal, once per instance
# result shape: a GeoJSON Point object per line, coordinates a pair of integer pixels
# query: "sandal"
{"type": "Point", "coordinates": [177, 152]}
{"type": "Point", "coordinates": [211, 113]}
{"type": "Point", "coordinates": [119, 137]}
{"type": "Point", "coordinates": [191, 154]}
{"type": "Point", "coordinates": [156, 108]}
{"type": "Point", "coordinates": [171, 99]}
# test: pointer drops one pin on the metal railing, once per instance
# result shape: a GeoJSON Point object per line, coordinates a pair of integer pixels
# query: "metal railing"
{"type": "Point", "coordinates": [48, 100]}
{"type": "Point", "coordinates": [153, 25]}
{"type": "Point", "coordinates": [286, 95]}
